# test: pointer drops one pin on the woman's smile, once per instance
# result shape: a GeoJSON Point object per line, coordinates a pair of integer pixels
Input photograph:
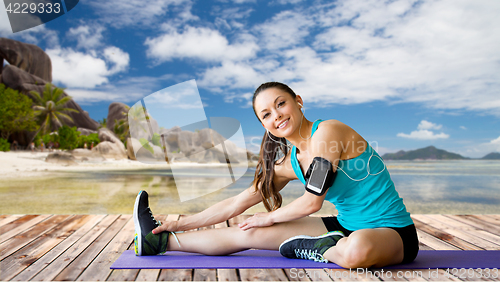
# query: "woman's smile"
{"type": "Point", "coordinates": [283, 124]}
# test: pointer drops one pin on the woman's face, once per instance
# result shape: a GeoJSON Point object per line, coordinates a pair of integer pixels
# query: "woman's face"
{"type": "Point", "coordinates": [278, 111]}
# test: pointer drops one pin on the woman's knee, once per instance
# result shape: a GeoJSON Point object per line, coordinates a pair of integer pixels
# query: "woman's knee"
{"type": "Point", "coordinates": [358, 252]}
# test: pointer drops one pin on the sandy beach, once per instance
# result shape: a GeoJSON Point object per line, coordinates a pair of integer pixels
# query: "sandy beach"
{"type": "Point", "coordinates": [21, 164]}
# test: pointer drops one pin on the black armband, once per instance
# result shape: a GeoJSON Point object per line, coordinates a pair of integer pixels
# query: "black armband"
{"type": "Point", "coordinates": [319, 176]}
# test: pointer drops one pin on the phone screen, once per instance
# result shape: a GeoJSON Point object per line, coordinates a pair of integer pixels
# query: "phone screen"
{"type": "Point", "coordinates": [318, 178]}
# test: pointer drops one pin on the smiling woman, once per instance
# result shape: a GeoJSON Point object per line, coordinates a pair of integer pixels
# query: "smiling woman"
{"type": "Point", "coordinates": [373, 227]}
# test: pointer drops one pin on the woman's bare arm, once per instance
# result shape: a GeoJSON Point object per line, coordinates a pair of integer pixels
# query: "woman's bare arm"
{"type": "Point", "coordinates": [216, 213]}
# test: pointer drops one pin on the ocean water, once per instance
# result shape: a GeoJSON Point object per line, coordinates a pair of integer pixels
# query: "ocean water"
{"type": "Point", "coordinates": [445, 187]}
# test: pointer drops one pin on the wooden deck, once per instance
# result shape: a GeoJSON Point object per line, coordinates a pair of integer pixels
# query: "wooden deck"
{"type": "Point", "coordinates": [83, 247]}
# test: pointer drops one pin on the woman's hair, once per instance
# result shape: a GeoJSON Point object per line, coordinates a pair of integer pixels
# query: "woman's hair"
{"type": "Point", "coordinates": [268, 156]}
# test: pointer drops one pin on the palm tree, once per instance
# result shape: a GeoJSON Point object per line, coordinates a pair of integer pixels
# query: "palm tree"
{"type": "Point", "coordinates": [136, 114]}
{"type": "Point", "coordinates": [50, 108]}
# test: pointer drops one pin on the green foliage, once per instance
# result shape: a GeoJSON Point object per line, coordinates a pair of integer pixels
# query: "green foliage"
{"type": "Point", "coordinates": [156, 140]}
{"type": "Point", "coordinates": [4, 145]}
{"type": "Point", "coordinates": [50, 108]}
{"type": "Point", "coordinates": [68, 137]}
{"type": "Point", "coordinates": [103, 122]}
{"type": "Point", "coordinates": [47, 138]}
{"type": "Point", "coordinates": [145, 145]}
{"type": "Point", "coordinates": [16, 113]}
{"type": "Point", "coordinates": [93, 137]}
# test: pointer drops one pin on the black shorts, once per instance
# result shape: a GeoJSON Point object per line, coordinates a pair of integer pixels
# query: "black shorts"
{"type": "Point", "coordinates": [408, 234]}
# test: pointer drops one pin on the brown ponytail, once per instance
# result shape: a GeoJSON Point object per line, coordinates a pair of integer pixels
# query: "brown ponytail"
{"type": "Point", "coordinates": [271, 150]}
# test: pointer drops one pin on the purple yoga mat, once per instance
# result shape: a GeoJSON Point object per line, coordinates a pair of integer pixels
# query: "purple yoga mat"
{"type": "Point", "coordinates": [272, 259]}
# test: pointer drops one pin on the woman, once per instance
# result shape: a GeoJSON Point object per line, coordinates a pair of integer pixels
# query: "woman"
{"type": "Point", "coordinates": [373, 228]}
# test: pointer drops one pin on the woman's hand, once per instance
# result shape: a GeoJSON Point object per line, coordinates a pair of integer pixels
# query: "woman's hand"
{"type": "Point", "coordinates": [166, 226]}
{"type": "Point", "coordinates": [261, 219]}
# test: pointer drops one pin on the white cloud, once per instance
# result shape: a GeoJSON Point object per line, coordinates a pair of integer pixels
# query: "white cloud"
{"type": "Point", "coordinates": [86, 70]}
{"type": "Point", "coordinates": [284, 2]}
{"type": "Point", "coordinates": [286, 29]}
{"type": "Point", "coordinates": [199, 43]}
{"type": "Point", "coordinates": [427, 125]}
{"type": "Point", "coordinates": [120, 13]}
{"type": "Point", "coordinates": [128, 90]}
{"type": "Point", "coordinates": [424, 132]}
{"type": "Point", "coordinates": [118, 59]}
{"type": "Point", "coordinates": [463, 127]}
{"type": "Point", "coordinates": [230, 73]}
{"type": "Point", "coordinates": [243, 1]}
{"type": "Point", "coordinates": [87, 36]}
{"type": "Point", "coordinates": [496, 142]}
{"type": "Point", "coordinates": [424, 135]}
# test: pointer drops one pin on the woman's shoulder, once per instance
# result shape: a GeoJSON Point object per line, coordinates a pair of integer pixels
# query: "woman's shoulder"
{"type": "Point", "coordinates": [331, 129]}
{"type": "Point", "coordinates": [331, 123]}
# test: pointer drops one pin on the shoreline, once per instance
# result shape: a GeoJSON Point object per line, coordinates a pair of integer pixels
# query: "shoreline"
{"type": "Point", "coordinates": [23, 164]}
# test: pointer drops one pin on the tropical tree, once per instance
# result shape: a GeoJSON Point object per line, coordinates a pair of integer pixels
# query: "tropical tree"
{"type": "Point", "coordinates": [16, 113]}
{"type": "Point", "coordinates": [50, 108]}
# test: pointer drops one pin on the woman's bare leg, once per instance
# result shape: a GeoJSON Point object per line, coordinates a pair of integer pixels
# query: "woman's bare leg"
{"type": "Point", "coordinates": [222, 241]}
{"type": "Point", "coordinates": [366, 248]}
{"type": "Point", "coordinates": [363, 248]}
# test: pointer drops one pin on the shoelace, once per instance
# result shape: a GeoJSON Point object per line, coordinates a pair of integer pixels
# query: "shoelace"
{"type": "Point", "coordinates": [158, 223]}
{"type": "Point", "coordinates": [310, 255]}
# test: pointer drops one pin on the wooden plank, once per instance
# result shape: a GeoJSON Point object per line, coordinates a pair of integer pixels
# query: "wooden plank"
{"type": "Point", "coordinates": [456, 228]}
{"type": "Point", "coordinates": [480, 230]}
{"type": "Point", "coordinates": [12, 245]}
{"type": "Point", "coordinates": [123, 275]}
{"type": "Point", "coordinates": [55, 252]}
{"type": "Point", "coordinates": [22, 258]}
{"type": "Point", "coordinates": [14, 224]}
{"type": "Point", "coordinates": [24, 223]}
{"type": "Point", "coordinates": [495, 217]}
{"type": "Point", "coordinates": [99, 269]}
{"type": "Point", "coordinates": [148, 275]}
{"type": "Point", "coordinates": [476, 222]}
{"type": "Point", "coordinates": [59, 264]}
{"type": "Point", "coordinates": [6, 219]}
{"type": "Point", "coordinates": [263, 275]}
{"type": "Point", "coordinates": [176, 275]}
{"type": "Point", "coordinates": [76, 267]}
{"type": "Point", "coordinates": [433, 242]}
{"type": "Point", "coordinates": [205, 275]}
{"type": "Point", "coordinates": [227, 275]}
{"type": "Point", "coordinates": [444, 236]}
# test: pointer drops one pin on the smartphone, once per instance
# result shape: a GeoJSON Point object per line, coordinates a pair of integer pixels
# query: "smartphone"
{"type": "Point", "coordinates": [320, 177]}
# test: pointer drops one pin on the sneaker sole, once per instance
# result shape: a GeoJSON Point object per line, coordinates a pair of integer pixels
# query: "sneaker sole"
{"type": "Point", "coordinates": [311, 237]}
{"type": "Point", "coordinates": [138, 234]}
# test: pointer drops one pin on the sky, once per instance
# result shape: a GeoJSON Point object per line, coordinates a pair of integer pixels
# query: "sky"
{"type": "Point", "coordinates": [404, 74]}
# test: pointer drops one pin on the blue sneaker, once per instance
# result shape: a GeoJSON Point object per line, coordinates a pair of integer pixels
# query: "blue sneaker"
{"type": "Point", "coordinates": [308, 247]}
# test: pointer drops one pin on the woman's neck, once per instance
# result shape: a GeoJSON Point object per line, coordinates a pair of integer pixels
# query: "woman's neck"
{"type": "Point", "coordinates": [303, 132]}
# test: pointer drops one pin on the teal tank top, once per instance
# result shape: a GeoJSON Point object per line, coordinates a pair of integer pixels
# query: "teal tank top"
{"type": "Point", "coordinates": [370, 203]}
